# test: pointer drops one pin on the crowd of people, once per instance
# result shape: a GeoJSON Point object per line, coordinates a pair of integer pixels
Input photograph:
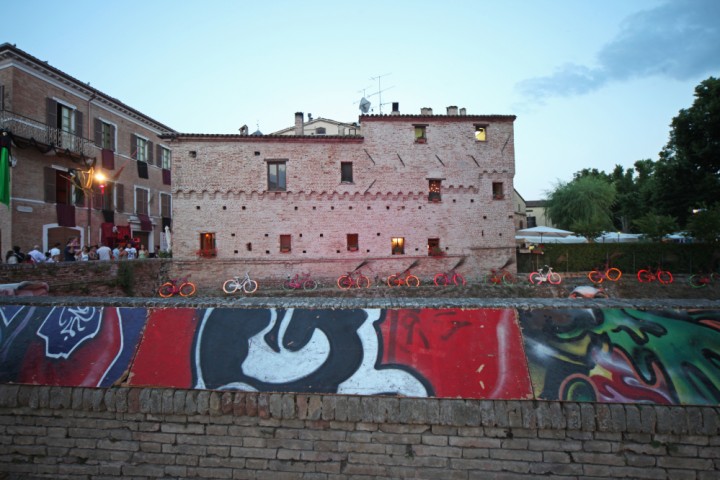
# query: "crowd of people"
{"type": "Point", "coordinates": [72, 252]}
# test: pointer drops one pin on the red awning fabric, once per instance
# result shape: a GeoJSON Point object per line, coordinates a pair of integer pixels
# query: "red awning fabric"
{"type": "Point", "coordinates": [65, 215]}
{"type": "Point", "coordinates": [145, 223]}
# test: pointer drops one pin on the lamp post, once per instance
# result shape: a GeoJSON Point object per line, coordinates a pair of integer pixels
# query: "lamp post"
{"type": "Point", "coordinates": [100, 178]}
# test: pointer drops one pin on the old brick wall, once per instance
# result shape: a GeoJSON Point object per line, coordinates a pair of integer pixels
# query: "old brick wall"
{"type": "Point", "coordinates": [61, 432]}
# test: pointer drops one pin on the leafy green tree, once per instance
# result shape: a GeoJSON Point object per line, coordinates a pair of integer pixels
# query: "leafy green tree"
{"type": "Point", "coordinates": [704, 225]}
{"type": "Point", "coordinates": [582, 205]}
{"type": "Point", "coordinates": [688, 172]}
{"type": "Point", "coordinates": [656, 226]}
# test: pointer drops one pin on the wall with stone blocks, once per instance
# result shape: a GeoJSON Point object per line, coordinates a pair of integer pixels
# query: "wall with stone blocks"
{"type": "Point", "coordinates": [139, 433]}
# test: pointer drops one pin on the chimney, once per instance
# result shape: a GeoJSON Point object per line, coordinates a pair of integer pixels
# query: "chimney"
{"type": "Point", "coordinates": [299, 123]}
{"type": "Point", "coordinates": [396, 108]}
{"type": "Point", "coordinates": [244, 130]}
{"type": "Point", "coordinates": [452, 110]}
{"type": "Point", "coordinates": [463, 112]}
{"type": "Point", "coordinates": [426, 111]}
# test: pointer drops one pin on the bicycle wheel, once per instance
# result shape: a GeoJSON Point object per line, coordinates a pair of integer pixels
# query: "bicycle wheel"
{"type": "Point", "coordinates": [412, 281]}
{"type": "Point", "coordinates": [287, 285]}
{"type": "Point", "coordinates": [613, 274]}
{"type": "Point", "coordinates": [394, 281]}
{"type": "Point", "coordinates": [250, 286]}
{"type": "Point", "coordinates": [458, 280]}
{"type": "Point", "coordinates": [644, 276]}
{"type": "Point", "coordinates": [508, 279]}
{"type": "Point", "coordinates": [595, 277]}
{"type": "Point", "coordinates": [362, 281]}
{"type": "Point", "coordinates": [535, 278]}
{"type": "Point", "coordinates": [488, 279]}
{"type": "Point", "coordinates": [344, 282]}
{"type": "Point", "coordinates": [697, 281]}
{"type": "Point", "coordinates": [230, 286]}
{"type": "Point", "coordinates": [166, 290]}
{"type": "Point", "coordinates": [187, 289]}
{"type": "Point", "coordinates": [665, 277]}
{"type": "Point", "coordinates": [554, 278]}
{"type": "Point", "coordinates": [440, 280]}
{"type": "Point", "coordinates": [310, 285]}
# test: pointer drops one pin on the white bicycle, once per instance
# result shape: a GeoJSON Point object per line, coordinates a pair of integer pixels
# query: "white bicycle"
{"type": "Point", "coordinates": [247, 285]}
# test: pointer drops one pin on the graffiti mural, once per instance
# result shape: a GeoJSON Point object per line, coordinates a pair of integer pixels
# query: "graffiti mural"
{"type": "Point", "coordinates": [69, 346]}
{"type": "Point", "coordinates": [430, 352]}
{"type": "Point", "coordinates": [624, 356]}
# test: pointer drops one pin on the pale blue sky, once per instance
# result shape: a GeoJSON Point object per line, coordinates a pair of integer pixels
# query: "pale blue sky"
{"type": "Point", "coordinates": [593, 84]}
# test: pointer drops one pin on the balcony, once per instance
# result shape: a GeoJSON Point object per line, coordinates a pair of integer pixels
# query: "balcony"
{"type": "Point", "coordinates": [48, 139]}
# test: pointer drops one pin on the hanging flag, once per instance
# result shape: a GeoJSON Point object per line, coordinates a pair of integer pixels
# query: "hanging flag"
{"type": "Point", "coordinates": [5, 168]}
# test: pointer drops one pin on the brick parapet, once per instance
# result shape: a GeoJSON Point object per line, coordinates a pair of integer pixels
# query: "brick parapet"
{"type": "Point", "coordinates": [147, 432]}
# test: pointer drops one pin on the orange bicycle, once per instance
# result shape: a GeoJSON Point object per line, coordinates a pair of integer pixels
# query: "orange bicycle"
{"type": "Point", "coordinates": [647, 275]}
{"type": "Point", "coordinates": [404, 278]}
{"type": "Point", "coordinates": [180, 286]}
{"type": "Point", "coordinates": [500, 276]}
{"type": "Point", "coordinates": [605, 273]}
{"type": "Point", "coordinates": [444, 279]}
{"type": "Point", "coordinates": [353, 279]}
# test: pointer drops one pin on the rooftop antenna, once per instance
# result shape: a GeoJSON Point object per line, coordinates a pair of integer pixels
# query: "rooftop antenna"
{"type": "Point", "coordinates": [380, 90]}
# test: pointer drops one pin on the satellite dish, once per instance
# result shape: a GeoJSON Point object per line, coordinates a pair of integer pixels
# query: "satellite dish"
{"type": "Point", "coordinates": [364, 105]}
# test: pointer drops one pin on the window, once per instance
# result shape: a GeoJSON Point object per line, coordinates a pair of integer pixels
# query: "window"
{"type": "Point", "coordinates": [497, 190]}
{"type": "Point", "coordinates": [276, 176]}
{"type": "Point", "coordinates": [164, 160]}
{"type": "Point", "coordinates": [207, 245]}
{"type": "Point", "coordinates": [104, 134]}
{"type": "Point", "coordinates": [352, 242]}
{"type": "Point", "coordinates": [320, 131]}
{"type": "Point", "coordinates": [346, 172]}
{"type": "Point", "coordinates": [285, 246]}
{"type": "Point", "coordinates": [141, 149]}
{"type": "Point", "coordinates": [434, 247]}
{"type": "Point", "coordinates": [165, 205]}
{"type": "Point", "coordinates": [420, 133]}
{"type": "Point", "coordinates": [142, 199]}
{"type": "Point", "coordinates": [107, 197]}
{"type": "Point", "coordinates": [434, 193]}
{"type": "Point", "coordinates": [68, 121]}
{"type": "Point", "coordinates": [398, 245]}
{"type": "Point", "coordinates": [480, 132]}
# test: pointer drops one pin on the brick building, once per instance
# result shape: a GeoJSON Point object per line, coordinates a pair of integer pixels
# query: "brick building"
{"type": "Point", "coordinates": [410, 187]}
{"type": "Point", "coordinates": [63, 133]}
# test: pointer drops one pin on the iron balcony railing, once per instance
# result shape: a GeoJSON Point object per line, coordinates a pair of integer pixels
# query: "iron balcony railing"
{"type": "Point", "coordinates": [43, 134]}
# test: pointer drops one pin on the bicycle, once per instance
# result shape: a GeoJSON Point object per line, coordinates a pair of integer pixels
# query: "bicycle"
{"type": "Point", "coordinates": [605, 272]}
{"type": "Point", "coordinates": [247, 285]}
{"type": "Point", "coordinates": [647, 275]}
{"type": "Point", "coordinates": [177, 286]}
{"type": "Point", "coordinates": [444, 279]}
{"type": "Point", "coordinates": [545, 274]}
{"type": "Point", "coordinates": [353, 279]}
{"type": "Point", "coordinates": [499, 276]}
{"type": "Point", "coordinates": [404, 278]}
{"type": "Point", "coordinates": [700, 280]}
{"type": "Point", "coordinates": [300, 282]}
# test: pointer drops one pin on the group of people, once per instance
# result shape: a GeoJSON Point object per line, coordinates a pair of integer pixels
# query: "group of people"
{"type": "Point", "coordinates": [73, 252]}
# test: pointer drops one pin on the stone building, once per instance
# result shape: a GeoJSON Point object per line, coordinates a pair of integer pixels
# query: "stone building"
{"type": "Point", "coordinates": [64, 132]}
{"type": "Point", "coordinates": [422, 190]}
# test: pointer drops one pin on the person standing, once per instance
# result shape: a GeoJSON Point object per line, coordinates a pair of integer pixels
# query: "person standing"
{"type": "Point", "coordinates": [104, 253]}
{"type": "Point", "coordinates": [55, 252]}
{"type": "Point", "coordinates": [70, 249]}
{"type": "Point", "coordinates": [14, 256]}
{"type": "Point", "coordinates": [36, 255]}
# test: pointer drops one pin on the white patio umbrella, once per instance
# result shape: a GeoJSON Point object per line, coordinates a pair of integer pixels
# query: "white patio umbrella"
{"type": "Point", "coordinates": [168, 238]}
{"type": "Point", "coordinates": [542, 231]}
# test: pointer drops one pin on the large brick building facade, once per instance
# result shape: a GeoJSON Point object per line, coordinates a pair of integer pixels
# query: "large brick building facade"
{"type": "Point", "coordinates": [409, 188]}
{"type": "Point", "coordinates": [62, 131]}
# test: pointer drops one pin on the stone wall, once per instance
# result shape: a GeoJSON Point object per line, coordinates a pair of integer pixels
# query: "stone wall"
{"type": "Point", "coordinates": [61, 432]}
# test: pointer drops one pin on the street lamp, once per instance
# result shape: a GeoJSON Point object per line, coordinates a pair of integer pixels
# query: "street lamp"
{"type": "Point", "coordinates": [93, 177]}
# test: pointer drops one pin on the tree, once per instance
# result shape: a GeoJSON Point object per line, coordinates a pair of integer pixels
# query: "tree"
{"type": "Point", "coordinates": [582, 205]}
{"type": "Point", "coordinates": [704, 225]}
{"type": "Point", "coordinates": [688, 172]}
{"type": "Point", "coordinates": [656, 226]}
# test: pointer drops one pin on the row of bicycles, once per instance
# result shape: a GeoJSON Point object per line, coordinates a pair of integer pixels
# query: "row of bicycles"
{"type": "Point", "coordinates": [497, 277]}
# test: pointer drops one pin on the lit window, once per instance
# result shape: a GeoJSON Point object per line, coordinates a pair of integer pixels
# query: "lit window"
{"type": "Point", "coordinates": [346, 172]}
{"type": "Point", "coordinates": [420, 134]}
{"type": "Point", "coordinates": [352, 242]}
{"type": "Point", "coordinates": [480, 133]}
{"type": "Point", "coordinates": [398, 245]}
{"type": "Point", "coordinates": [207, 245]}
{"type": "Point", "coordinates": [285, 245]}
{"type": "Point", "coordinates": [276, 176]}
{"type": "Point", "coordinates": [434, 194]}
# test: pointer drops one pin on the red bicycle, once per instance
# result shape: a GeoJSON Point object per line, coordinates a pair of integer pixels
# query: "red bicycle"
{"type": "Point", "coordinates": [647, 275]}
{"type": "Point", "coordinates": [180, 286]}
{"type": "Point", "coordinates": [605, 273]}
{"type": "Point", "coordinates": [444, 279]}
{"type": "Point", "coordinates": [700, 280]}
{"type": "Point", "coordinates": [404, 278]}
{"type": "Point", "coordinates": [300, 282]}
{"type": "Point", "coordinates": [353, 279]}
{"type": "Point", "coordinates": [500, 276]}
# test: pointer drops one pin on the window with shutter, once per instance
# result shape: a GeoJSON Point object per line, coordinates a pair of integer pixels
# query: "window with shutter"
{"type": "Point", "coordinates": [49, 184]}
{"type": "Point", "coordinates": [120, 196]}
{"type": "Point", "coordinates": [142, 200]}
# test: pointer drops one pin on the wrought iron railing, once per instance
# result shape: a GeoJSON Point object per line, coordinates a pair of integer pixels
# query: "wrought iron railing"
{"type": "Point", "coordinates": [29, 129]}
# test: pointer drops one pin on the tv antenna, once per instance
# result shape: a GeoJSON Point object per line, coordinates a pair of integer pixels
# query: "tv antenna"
{"type": "Point", "coordinates": [365, 103]}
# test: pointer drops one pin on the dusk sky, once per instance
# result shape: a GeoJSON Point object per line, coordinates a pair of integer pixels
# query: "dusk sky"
{"type": "Point", "coordinates": [593, 84]}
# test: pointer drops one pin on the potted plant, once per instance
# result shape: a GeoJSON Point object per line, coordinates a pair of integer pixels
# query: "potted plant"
{"type": "Point", "coordinates": [206, 252]}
